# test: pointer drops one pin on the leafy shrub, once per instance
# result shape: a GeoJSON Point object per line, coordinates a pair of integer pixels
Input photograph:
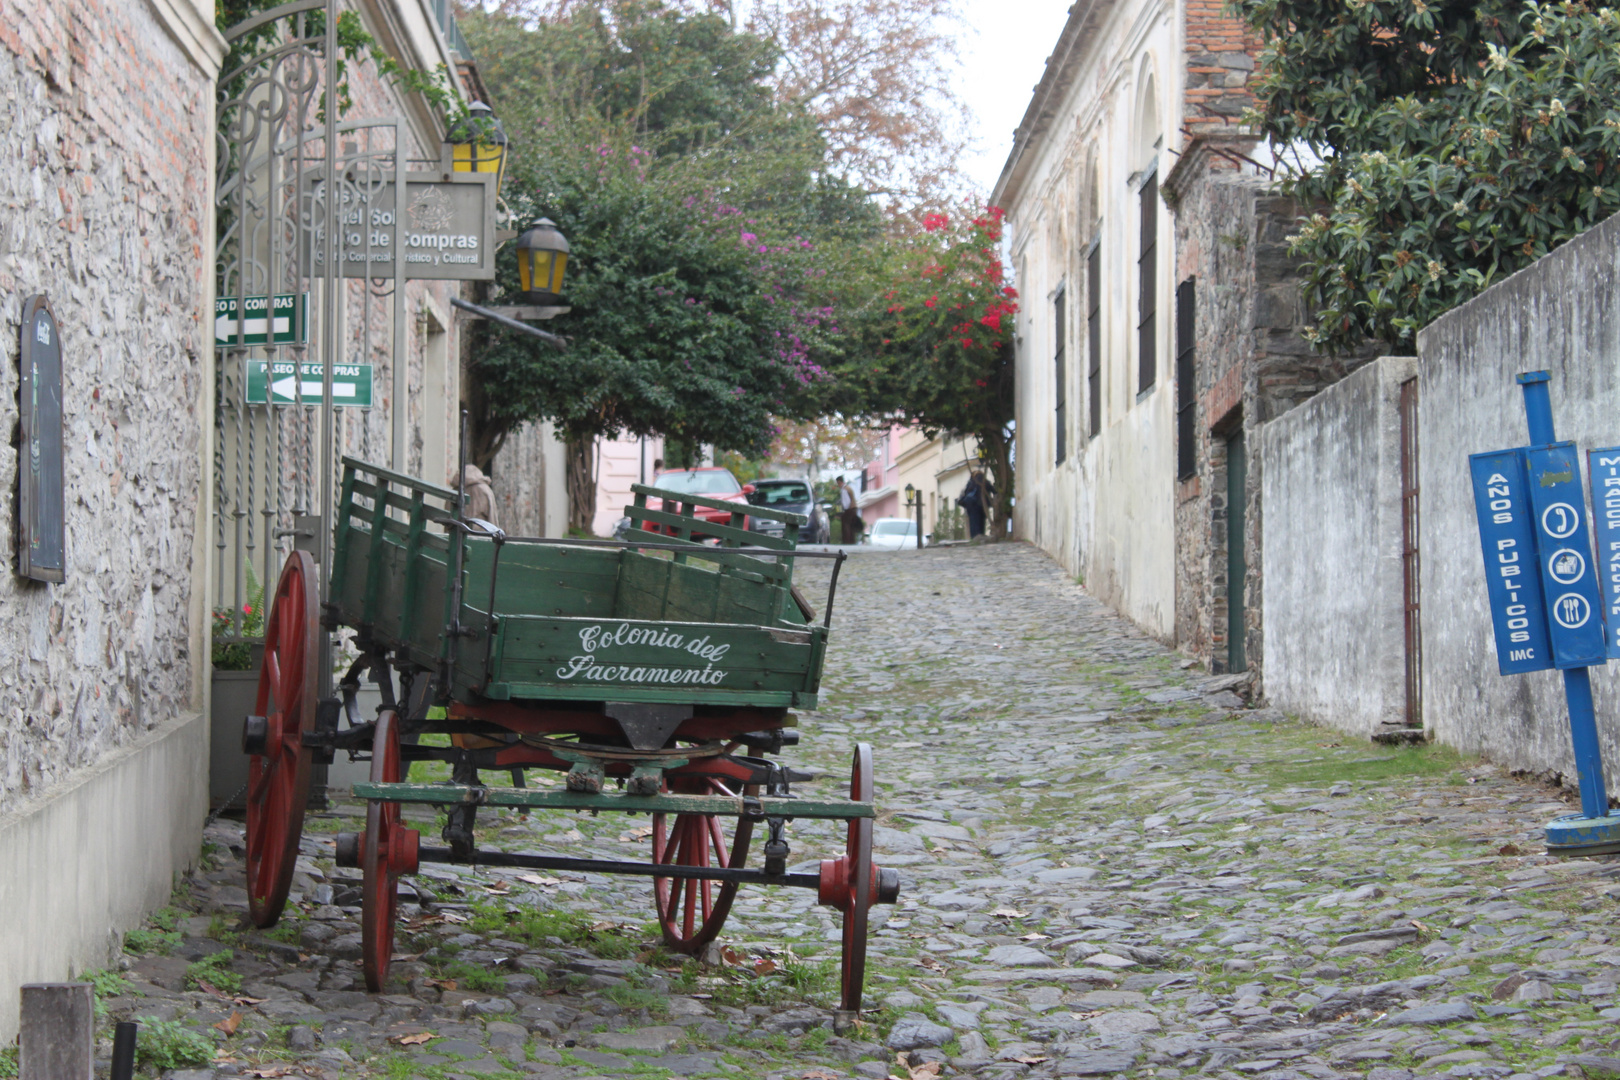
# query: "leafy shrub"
{"type": "Point", "coordinates": [167, 1044]}
{"type": "Point", "coordinates": [1457, 143]}
{"type": "Point", "coordinates": [149, 942]}
{"type": "Point", "coordinates": [216, 971]}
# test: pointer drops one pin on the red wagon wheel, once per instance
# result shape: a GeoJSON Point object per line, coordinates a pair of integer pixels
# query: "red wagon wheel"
{"type": "Point", "coordinates": [847, 882]}
{"type": "Point", "coordinates": [387, 850]}
{"type": "Point", "coordinates": [278, 766]}
{"type": "Point", "coordinates": [692, 910]}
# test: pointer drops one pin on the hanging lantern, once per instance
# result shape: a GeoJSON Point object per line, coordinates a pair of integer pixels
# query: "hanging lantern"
{"type": "Point", "coordinates": [478, 143]}
{"type": "Point", "coordinates": [542, 255]}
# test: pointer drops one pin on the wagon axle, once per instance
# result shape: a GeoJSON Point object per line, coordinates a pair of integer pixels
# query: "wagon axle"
{"type": "Point", "coordinates": [832, 877]}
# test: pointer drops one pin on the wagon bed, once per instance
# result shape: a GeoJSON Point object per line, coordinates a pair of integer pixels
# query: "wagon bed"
{"type": "Point", "coordinates": [667, 663]}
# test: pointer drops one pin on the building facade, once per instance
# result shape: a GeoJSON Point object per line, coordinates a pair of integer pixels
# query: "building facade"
{"type": "Point", "coordinates": [1160, 323]}
{"type": "Point", "coordinates": [115, 216]}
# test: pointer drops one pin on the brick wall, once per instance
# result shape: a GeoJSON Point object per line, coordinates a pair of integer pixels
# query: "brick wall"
{"type": "Point", "coordinates": [105, 183]}
{"type": "Point", "coordinates": [1220, 62]}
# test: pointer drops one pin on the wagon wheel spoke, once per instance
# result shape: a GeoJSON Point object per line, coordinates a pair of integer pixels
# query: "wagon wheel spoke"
{"type": "Point", "coordinates": [691, 911]}
{"type": "Point", "coordinates": [279, 777]}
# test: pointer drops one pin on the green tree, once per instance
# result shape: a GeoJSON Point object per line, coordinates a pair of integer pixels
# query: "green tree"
{"type": "Point", "coordinates": [1456, 142]}
{"type": "Point", "coordinates": [935, 342]}
{"type": "Point", "coordinates": [683, 322]}
{"type": "Point", "coordinates": [689, 195]}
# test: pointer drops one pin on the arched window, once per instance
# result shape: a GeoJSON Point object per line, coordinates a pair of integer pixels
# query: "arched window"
{"type": "Point", "coordinates": [1147, 142]}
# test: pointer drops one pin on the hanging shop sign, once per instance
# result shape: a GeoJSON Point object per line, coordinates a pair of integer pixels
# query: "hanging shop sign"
{"type": "Point", "coordinates": [445, 230]}
{"type": "Point", "coordinates": [270, 320]}
{"type": "Point", "coordinates": [42, 506]}
{"type": "Point", "coordinates": [283, 382]}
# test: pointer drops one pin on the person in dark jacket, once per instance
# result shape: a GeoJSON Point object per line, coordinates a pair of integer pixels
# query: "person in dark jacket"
{"type": "Point", "coordinates": [975, 502]}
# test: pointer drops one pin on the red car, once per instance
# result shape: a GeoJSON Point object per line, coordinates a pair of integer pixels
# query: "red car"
{"type": "Point", "coordinates": [710, 481]}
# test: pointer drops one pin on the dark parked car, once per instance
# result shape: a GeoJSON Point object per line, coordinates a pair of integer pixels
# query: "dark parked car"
{"type": "Point", "coordinates": [795, 497]}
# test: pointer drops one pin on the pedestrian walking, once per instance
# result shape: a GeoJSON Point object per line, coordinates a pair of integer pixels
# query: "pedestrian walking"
{"type": "Point", "coordinates": [847, 513]}
{"type": "Point", "coordinates": [480, 494]}
{"type": "Point", "coordinates": [975, 502]}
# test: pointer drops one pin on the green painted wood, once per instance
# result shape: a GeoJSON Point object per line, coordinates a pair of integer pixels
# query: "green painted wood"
{"type": "Point", "coordinates": [409, 593]}
{"type": "Point", "coordinates": [399, 478]}
{"type": "Point", "coordinates": [452, 794]}
{"type": "Point", "coordinates": [374, 560]}
{"type": "Point", "coordinates": [730, 535]}
{"type": "Point", "coordinates": [341, 541]}
{"type": "Point", "coordinates": [643, 491]}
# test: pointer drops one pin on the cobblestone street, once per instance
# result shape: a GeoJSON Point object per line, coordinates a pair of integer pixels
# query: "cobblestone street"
{"type": "Point", "coordinates": [1111, 865]}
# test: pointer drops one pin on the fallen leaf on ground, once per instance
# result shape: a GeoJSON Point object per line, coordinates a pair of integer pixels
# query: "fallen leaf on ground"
{"type": "Point", "coordinates": [1510, 849]}
{"type": "Point", "coordinates": [1029, 1060]}
{"type": "Point", "coordinates": [819, 1074]}
{"type": "Point", "coordinates": [250, 1001]}
{"type": "Point", "coordinates": [1036, 937]}
{"type": "Point", "coordinates": [443, 984]}
{"type": "Point", "coordinates": [931, 964]}
{"type": "Point", "coordinates": [926, 1071]}
{"type": "Point", "coordinates": [454, 916]}
{"type": "Point", "coordinates": [1087, 1015]}
{"type": "Point", "coordinates": [537, 879]}
{"type": "Point", "coordinates": [632, 835]}
{"type": "Point", "coordinates": [730, 955]}
{"type": "Point", "coordinates": [230, 1023]}
{"type": "Point", "coordinates": [764, 966]}
{"type": "Point", "coordinates": [1008, 913]}
{"type": "Point", "coordinates": [413, 1040]}
{"type": "Point", "coordinates": [1421, 927]}
{"type": "Point", "coordinates": [209, 988]}
{"type": "Point", "coordinates": [500, 885]}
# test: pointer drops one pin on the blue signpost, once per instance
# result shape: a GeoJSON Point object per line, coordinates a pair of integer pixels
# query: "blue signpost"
{"type": "Point", "coordinates": [1532, 512]}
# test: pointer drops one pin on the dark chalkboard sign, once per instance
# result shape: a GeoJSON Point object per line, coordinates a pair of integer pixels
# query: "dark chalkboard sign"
{"type": "Point", "coordinates": [42, 530]}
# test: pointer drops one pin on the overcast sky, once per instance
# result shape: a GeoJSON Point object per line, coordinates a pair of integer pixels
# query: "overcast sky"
{"type": "Point", "coordinates": [1003, 55]}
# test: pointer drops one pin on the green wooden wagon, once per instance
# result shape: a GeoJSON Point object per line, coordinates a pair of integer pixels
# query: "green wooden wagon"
{"type": "Point", "coordinates": [654, 673]}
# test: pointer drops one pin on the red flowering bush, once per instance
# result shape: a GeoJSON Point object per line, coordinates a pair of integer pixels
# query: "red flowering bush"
{"type": "Point", "coordinates": [939, 338]}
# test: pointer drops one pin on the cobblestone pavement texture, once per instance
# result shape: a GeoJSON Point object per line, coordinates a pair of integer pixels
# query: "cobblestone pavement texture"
{"type": "Point", "coordinates": [1112, 867]}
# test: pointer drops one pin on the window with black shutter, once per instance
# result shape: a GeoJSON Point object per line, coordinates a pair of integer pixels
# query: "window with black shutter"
{"type": "Point", "coordinates": [1186, 379]}
{"type": "Point", "coordinates": [1147, 292]}
{"type": "Point", "coordinates": [1060, 372]}
{"type": "Point", "coordinates": [1094, 337]}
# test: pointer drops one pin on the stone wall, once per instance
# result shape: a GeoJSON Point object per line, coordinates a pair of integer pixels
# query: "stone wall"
{"type": "Point", "coordinates": [1333, 613]}
{"type": "Point", "coordinates": [104, 178]}
{"type": "Point", "coordinates": [1560, 315]}
{"type": "Point", "coordinates": [1251, 366]}
{"type": "Point", "coordinates": [529, 476]}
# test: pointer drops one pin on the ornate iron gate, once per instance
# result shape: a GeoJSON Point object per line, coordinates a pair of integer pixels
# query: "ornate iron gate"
{"type": "Point", "coordinates": [290, 200]}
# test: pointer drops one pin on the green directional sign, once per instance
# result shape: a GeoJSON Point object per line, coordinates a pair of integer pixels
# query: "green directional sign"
{"type": "Point", "coordinates": [280, 324]}
{"type": "Point", "coordinates": [280, 382]}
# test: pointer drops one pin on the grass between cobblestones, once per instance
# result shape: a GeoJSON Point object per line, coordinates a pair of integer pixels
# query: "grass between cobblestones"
{"type": "Point", "coordinates": [1048, 778]}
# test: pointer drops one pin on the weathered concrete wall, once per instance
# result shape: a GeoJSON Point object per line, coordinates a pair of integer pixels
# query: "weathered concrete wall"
{"type": "Point", "coordinates": [86, 860]}
{"type": "Point", "coordinates": [1561, 315]}
{"type": "Point", "coordinates": [1335, 636]}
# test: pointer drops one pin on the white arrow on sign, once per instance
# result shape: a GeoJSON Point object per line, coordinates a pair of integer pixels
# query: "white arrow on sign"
{"type": "Point", "coordinates": [225, 327]}
{"type": "Point", "coordinates": [285, 388]}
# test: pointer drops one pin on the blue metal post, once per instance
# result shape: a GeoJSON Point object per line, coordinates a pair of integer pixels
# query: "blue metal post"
{"type": "Point", "coordinates": [1577, 681]}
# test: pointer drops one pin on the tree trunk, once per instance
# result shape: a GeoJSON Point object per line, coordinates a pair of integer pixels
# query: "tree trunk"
{"type": "Point", "coordinates": [994, 446]}
{"type": "Point", "coordinates": [581, 475]}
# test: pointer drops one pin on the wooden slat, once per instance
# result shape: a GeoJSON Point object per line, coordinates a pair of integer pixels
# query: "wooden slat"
{"type": "Point", "coordinates": [783, 516]}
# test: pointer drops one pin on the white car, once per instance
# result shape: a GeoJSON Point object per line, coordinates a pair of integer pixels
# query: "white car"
{"type": "Point", "coordinates": [893, 534]}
